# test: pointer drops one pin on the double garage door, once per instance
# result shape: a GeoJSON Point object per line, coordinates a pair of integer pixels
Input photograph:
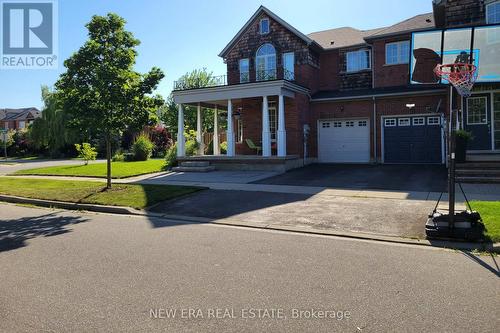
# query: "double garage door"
{"type": "Point", "coordinates": [416, 139]}
{"type": "Point", "coordinates": [344, 141]}
{"type": "Point", "coordinates": [405, 139]}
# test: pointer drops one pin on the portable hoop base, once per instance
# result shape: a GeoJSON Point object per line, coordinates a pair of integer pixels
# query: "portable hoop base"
{"type": "Point", "coordinates": [466, 226]}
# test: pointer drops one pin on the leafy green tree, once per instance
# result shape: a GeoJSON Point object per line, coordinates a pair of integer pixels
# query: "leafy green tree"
{"type": "Point", "coordinates": [50, 130]}
{"type": "Point", "coordinates": [86, 152]}
{"type": "Point", "coordinates": [197, 78]}
{"type": "Point", "coordinates": [100, 88]}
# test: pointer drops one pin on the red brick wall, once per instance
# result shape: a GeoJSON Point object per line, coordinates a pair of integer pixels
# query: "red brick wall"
{"type": "Point", "coordinates": [329, 72]}
{"type": "Point", "coordinates": [388, 75]}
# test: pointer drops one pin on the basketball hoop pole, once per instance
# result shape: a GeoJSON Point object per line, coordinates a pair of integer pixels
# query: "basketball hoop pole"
{"type": "Point", "coordinates": [451, 177]}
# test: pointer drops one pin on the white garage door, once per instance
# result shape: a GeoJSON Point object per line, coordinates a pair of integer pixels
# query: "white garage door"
{"type": "Point", "coordinates": [344, 141]}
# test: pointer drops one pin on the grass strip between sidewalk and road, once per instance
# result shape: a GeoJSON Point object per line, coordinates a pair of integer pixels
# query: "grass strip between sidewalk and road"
{"type": "Point", "coordinates": [490, 214]}
{"type": "Point", "coordinates": [118, 169]}
{"type": "Point", "coordinates": [130, 195]}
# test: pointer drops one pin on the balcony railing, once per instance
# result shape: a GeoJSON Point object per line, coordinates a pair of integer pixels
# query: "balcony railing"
{"type": "Point", "coordinates": [221, 80]}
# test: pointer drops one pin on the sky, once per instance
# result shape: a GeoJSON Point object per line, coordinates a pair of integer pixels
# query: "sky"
{"type": "Point", "coordinates": [181, 35]}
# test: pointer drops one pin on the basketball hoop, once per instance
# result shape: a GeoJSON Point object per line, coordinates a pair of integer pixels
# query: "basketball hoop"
{"type": "Point", "coordinates": [461, 75]}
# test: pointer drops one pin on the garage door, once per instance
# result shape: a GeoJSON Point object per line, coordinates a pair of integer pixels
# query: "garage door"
{"type": "Point", "coordinates": [414, 139]}
{"type": "Point", "coordinates": [344, 141]}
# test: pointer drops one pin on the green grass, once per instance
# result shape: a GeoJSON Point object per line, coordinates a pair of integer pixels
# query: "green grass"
{"type": "Point", "coordinates": [490, 213]}
{"type": "Point", "coordinates": [135, 196]}
{"type": "Point", "coordinates": [118, 169]}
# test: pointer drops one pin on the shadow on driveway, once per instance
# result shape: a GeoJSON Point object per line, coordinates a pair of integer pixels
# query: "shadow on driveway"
{"type": "Point", "coordinates": [422, 178]}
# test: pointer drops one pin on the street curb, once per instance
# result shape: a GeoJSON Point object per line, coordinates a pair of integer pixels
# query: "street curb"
{"type": "Point", "coordinates": [492, 247]}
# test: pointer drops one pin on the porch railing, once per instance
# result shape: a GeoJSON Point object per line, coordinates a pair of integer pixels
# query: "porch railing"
{"type": "Point", "coordinates": [221, 80]}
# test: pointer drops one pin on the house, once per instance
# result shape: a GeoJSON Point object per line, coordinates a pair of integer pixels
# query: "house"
{"type": "Point", "coordinates": [336, 96]}
{"type": "Point", "coordinates": [18, 118]}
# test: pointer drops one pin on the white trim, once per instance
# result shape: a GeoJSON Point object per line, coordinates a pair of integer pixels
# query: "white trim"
{"type": "Point", "coordinates": [420, 118]}
{"type": "Point", "coordinates": [486, 113]}
{"type": "Point", "coordinates": [433, 124]}
{"type": "Point", "coordinates": [437, 91]}
{"type": "Point", "coordinates": [398, 60]}
{"type": "Point", "coordinates": [390, 119]}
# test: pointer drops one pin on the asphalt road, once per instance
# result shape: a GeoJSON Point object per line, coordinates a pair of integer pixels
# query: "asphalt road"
{"type": "Point", "coordinates": [64, 271]}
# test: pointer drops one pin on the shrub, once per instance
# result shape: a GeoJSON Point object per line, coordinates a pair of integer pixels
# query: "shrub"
{"type": "Point", "coordinates": [86, 152]}
{"type": "Point", "coordinates": [462, 134]}
{"type": "Point", "coordinates": [161, 140]}
{"type": "Point", "coordinates": [142, 148]}
{"type": "Point", "coordinates": [223, 147]}
{"type": "Point", "coordinates": [171, 156]}
{"type": "Point", "coordinates": [119, 156]}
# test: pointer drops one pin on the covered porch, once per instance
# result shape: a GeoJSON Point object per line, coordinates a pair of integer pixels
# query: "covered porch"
{"type": "Point", "coordinates": [256, 121]}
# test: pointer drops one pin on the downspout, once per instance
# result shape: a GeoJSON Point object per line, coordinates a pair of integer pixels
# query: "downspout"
{"type": "Point", "coordinates": [374, 130]}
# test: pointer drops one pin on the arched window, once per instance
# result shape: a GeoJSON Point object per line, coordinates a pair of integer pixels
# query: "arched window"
{"type": "Point", "coordinates": [265, 63]}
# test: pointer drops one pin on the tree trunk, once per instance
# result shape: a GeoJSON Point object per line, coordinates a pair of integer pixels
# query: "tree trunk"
{"type": "Point", "coordinates": [108, 158]}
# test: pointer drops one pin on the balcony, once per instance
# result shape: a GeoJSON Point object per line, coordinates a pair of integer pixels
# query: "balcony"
{"type": "Point", "coordinates": [222, 80]}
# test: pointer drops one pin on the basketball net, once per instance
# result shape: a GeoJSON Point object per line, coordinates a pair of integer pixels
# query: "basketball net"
{"type": "Point", "coordinates": [461, 75]}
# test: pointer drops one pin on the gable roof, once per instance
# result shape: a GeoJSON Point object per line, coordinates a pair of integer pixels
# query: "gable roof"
{"type": "Point", "coordinates": [275, 17]}
{"type": "Point", "coordinates": [415, 23]}
{"type": "Point", "coordinates": [19, 114]}
{"type": "Point", "coordinates": [341, 37]}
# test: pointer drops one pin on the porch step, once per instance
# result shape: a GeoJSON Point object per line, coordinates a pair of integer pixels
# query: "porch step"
{"type": "Point", "coordinates": [479, 165]}
{"type": "Point", "coordinates": [483, 158]}
{"type": "Point", "coordinates": [194, 166]}
{"type": "Point", "coordinates": [478, 172]}
{"type": "Point", "coordinates": [479, 180]}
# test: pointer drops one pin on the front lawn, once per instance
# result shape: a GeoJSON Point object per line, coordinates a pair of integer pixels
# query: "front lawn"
{"type": "Point", "coordinates": [130, 195]}
{"type": "Point", "coordinates": [118, 169]}
{"type": "Point", "coordinates": [490, 213]}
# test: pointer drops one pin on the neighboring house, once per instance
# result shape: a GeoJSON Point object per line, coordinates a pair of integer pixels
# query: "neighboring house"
{"type": "Point", "coordinates": [339, 95]}
{"type": "Point", "coordinates": [18, 118]}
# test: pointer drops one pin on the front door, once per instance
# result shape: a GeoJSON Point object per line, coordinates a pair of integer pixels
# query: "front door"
{"type": "Point", "coordinates": [478, 121]}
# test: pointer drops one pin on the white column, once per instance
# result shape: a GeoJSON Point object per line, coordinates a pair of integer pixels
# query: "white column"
{"type": "Point", "coordinates": [216, 132]}
{"type": "Point", "coordinates": [199, 131]}
{"type": "Point", "coordinates": [266, 134]}
{"type": "Point", "coordinates": [281, 127]}
{"type": "Point", "coordinates": [180, 132]}
{"type": "Point", "coordinates": [230, 133]}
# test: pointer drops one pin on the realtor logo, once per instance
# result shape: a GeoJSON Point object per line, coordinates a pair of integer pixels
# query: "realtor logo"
{"type": "Point", "coordinates": [29, 34]}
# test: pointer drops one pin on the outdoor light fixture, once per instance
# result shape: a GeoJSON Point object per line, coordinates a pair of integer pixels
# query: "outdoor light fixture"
{"type": "Point", "coordinates": [237, 114]}
{"type": "Point", "coordinates": [410, 106]}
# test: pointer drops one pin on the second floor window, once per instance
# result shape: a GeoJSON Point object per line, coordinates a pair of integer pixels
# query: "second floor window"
{"type": "Point", "coordinates": [397, 53]}
{"type": "Point", "coordinates": [288, 66]}
{"type": "Point", "coordinates": [264, 26]}
{"type": "Point", "coordinates": [265, 63]}
{"type": "Point", "coordinates": [493, 13]}
{"type": "Point", "coordinates": [244, 70]}
{"type": "Point", "coordinates": [358, 60]}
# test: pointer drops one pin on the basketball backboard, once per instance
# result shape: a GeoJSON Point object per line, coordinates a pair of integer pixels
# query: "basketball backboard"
{"type": "Point", "coordinates": [477, 45]}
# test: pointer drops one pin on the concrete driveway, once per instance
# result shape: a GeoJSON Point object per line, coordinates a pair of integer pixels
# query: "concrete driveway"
{"type": "Point", "coordinates": [422, 178]}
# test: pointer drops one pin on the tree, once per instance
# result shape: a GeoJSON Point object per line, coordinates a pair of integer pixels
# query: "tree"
{"type": "Point", "coordinates": [197, 78]}
{"type": "Point", "coordinates": [50, 131]}
{"type": "Point", "coordinates": [100, 88]}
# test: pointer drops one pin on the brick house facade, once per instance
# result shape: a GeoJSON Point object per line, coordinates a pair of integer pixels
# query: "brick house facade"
{"type": "Point", "coordinates": [347, 100]}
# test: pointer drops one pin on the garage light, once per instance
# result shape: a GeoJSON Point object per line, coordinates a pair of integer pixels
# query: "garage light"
{"type": "Point", "coordinates": [409, 106]}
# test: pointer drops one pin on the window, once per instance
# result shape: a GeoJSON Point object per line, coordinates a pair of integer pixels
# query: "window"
{"type": "Point", "coordinates": [337, 124]}
{"type": "Point", "coordinates": [244, 71]}
{"type": "Point", "coordinates": [22, 124]}
{"type": "Point", "coordinates": [349, 124]}
{"type": "Point", "coordinates": [288, 66]}
{"type": "Point", "coordinates": [273, 120]}
{"type": "Point", "coordinates": [493, 12]}
{"type": "Point", "coordinates": [358, 60]}
{"type": "Point", "coordinates": [476, 111]}
{"type": "Point", "coordinates": [433, 121]}
{"type": "Point", "coordinates": [390, 122]}
{"type": "Point", "coordinates": [420, 121]}
{"type": "Point", "coordinates": [404, 122]}
{"type": "Point", "coordinates": [264, 26]}
{"type": "Point", "coordinates": [239, 131]}
{"type": "Point", "coordinates": [265, 63]}
{"type": "Point", "coordinates": [397, 53]}
{"type": "Point", "coordinates": [325, 125]}
{"type": "Point", "coordinates": [362, 123]}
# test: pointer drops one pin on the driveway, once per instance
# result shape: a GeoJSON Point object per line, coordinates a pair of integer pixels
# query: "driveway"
{"type": "Point", "coordinates": [422, 178]}
{"type": "Point", "coordinates": [321, 211]}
